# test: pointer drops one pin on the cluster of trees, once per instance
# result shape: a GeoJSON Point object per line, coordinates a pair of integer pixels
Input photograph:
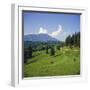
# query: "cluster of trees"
{"type": "Point", "coordinates": [50, 47]}
{"type": "Point", "coordinates": [73, 40]}
{"type": "Point", "coordinates": [27, 53]}
{"type": "Point", "coordinates": [35, 45]}
{"type": "Point", "coordinates": [50, 50]}
{"type": "Point", "coordinates": [38, 46]}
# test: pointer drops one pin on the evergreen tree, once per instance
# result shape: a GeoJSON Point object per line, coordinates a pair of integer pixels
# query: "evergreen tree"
{"type": "Point", "coordinates": [58, 47]}
{"type": "Point", "coordinates": [73, 40]}
{"type": "Point", "coordinates": [78, 39]}
{"type": "Point", "coordinates": [25, 55]}
{"type": "Point", "coordinates": [52, 51]}
{"type": "Point", "coordinates": [47, 49]}
{"type": "Point", "coordinates": [68, 40]}
{"type": "Point", "coordinates": [30, 51]}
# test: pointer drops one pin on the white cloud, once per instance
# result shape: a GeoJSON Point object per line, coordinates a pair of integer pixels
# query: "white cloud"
{"type": "Point", "coordinates": [42, 30]}
{"type": "Point", "coordinates": [57, 32]}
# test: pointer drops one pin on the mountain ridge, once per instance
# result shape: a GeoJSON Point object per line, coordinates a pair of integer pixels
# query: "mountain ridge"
{"type": "Point", "coordinates": [39, 37]}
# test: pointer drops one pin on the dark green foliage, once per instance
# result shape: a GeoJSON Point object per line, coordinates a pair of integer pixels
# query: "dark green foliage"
{"type": "Point", "coordinates": [78, 39]}
{"type": "Point", "coordinates": [58, 47]}
{"type": "Point", "coordinates": [30, 47]}
{"type": "Point", "coordinates": [38, 46]}
{"type": "Point", "coordinates": [52, 51]}
{"type": "Point", "coordinates": [74, 59]}
{"type": "Point", "coordinates": [51, 62]}
{"type": "Point", "coordinates": [27, 53]}
{"type": "Point", "coordinates": [73, 40]}
{"type": "Point", "coordinates": [68, 40]}
{"type": "Point", "coordinates": [30, 51]}
{"type": "Point", "coordinates": [47, 49]}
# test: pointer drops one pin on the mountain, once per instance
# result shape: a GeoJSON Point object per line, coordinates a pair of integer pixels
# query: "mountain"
{"type": "Point", "coordinates": [39, 37]}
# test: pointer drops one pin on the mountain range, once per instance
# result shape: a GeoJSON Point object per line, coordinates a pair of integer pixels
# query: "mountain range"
{"type": "Point", "coordinates": [39, 37]}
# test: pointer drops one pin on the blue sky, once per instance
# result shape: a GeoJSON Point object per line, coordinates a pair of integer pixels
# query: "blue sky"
{"type": "Point", "coordinates": [57, 25]}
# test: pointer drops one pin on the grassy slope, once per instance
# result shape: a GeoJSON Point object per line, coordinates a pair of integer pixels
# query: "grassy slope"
{"type": "Point", "coordinates": [65, 62]}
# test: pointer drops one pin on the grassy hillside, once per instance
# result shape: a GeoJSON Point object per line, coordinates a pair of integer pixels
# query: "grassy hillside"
{"type": "Point", "coordinates": [65, 62]}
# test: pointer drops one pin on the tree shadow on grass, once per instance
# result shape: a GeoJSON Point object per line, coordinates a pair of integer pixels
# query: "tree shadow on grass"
{"type": "Point", "coordinates": [57, 55]}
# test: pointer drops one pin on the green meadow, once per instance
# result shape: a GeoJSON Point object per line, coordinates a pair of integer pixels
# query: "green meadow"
{"type": "Point", "coordinates": [66, 61]}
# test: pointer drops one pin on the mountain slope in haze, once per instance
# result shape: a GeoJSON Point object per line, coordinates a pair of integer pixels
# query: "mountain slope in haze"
{"type": "Point", "coordinates": [39, 37]}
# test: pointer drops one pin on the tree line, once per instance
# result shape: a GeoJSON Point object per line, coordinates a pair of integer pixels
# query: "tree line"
{"type": "Point", "coordinates": [28, 52]}
{"type": "Point", "coordinates": [73, 40]}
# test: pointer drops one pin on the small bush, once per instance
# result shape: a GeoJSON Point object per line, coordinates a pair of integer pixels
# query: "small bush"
{"type": "Point", "coordinates": [74, 59]}
{"type": "Point", "coordinates": [51, 62]}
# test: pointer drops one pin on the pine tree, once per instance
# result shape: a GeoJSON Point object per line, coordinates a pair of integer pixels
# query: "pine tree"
{"type": "Point", "coordinates": [47, 49]}
{"type": "Point", "coordinates": [68, 40]}
{"type": "Point", "coordinates": [52, 51]}
{"type": "Point", "coordinates": [25, 55]}
{"type": "Point", "coordinates": [30, 51]}
{"type": "Point", "coordinates": [73, 40]}
{"type": "Point", "coordinates": [58, 47]}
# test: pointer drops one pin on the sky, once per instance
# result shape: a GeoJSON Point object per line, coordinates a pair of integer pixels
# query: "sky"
{"type": "Point", "coordinates": [57, 25]}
